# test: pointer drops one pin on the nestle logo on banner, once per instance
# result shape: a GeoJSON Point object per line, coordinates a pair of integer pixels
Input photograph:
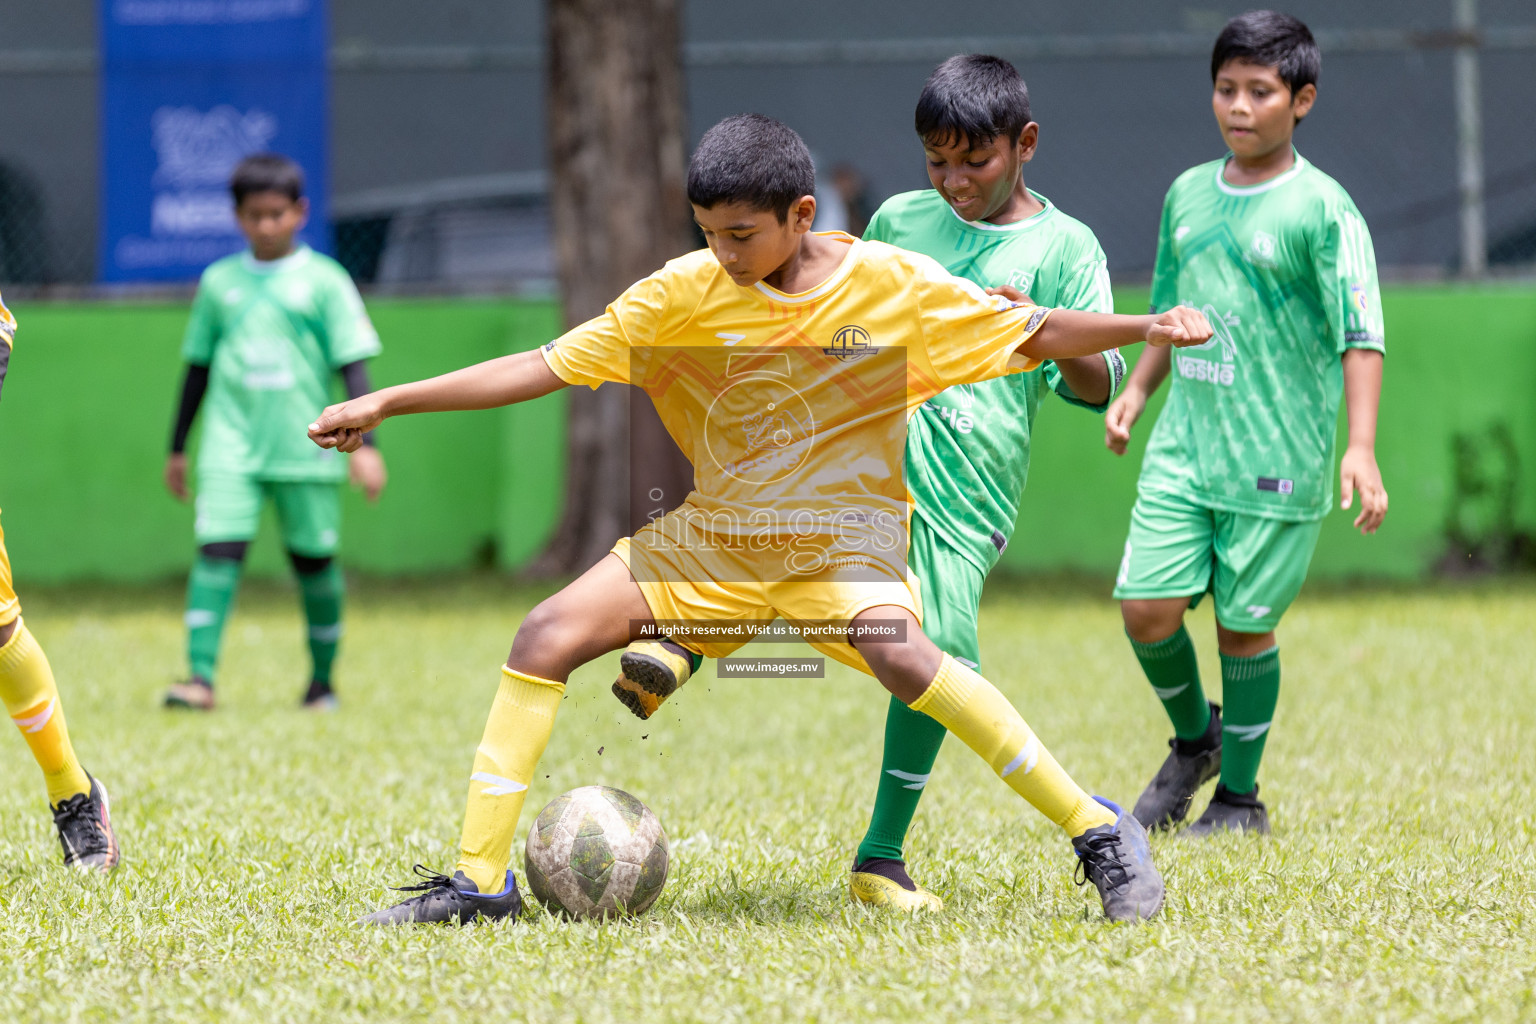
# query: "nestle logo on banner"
{"type": "Point", "coordinates": [196, 152]}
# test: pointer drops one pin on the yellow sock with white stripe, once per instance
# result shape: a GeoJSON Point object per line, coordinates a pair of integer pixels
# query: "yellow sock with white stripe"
{"type": "Point", "coordinates": [973, 709]}
{"type": "Point", "coordinates": [521, 719]}
{"type": "Point", "coordinates": [32, 700]}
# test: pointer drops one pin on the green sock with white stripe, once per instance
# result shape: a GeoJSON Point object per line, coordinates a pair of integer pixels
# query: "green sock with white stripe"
{"type": "Point", "coordinates": [1250, 689]}
{"type": "Point", "coordinates": [210, 591]}
{"type": "Point", "coordinates": [912, 742]}
{"type": "Point", "coordinates": [1174, 672]}
{"type": "Point", "coordinates": [322, 609]}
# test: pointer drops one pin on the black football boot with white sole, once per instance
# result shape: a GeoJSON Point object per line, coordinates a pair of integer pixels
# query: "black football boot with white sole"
{"type": "Point", "coordinates": [84, 822]}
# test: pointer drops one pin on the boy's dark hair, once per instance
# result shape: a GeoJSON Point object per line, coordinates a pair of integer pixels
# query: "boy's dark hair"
{"type": "Point", "coordinates": [975, 97]}
{"type": "Point", "coordinates": [1273, 40]}
{"type": "Point", "coordinates": [754, 160]}
{"type": "Point", "coordinates": [266, 172]}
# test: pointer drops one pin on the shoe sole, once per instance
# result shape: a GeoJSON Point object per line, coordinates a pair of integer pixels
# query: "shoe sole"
{"type": "Point", "coordinates": [186, 705]}
{"type": "Point", "coordinates": [631, 700]}
{"type": "Point", "coordinates": [648, 673]}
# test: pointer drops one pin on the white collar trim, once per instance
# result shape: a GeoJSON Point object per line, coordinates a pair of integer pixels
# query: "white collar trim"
{"type": "Point", "coordinates": [1033, 220]}
{"type": "Point", "coordinates": [826, 286]}
{"type": "Point", "coordinates": [1263, 186]}
{"type": "Point", "coordinates": [297, 258]}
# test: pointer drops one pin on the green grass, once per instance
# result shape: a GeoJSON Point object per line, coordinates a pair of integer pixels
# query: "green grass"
{"type": "Point", "coordinates": [1398, 884]}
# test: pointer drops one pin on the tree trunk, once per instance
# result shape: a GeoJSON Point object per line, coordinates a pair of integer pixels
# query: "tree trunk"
{"type": "Point", "coordinates": [615, 106]}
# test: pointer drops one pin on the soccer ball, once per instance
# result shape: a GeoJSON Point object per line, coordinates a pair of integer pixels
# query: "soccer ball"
{"type": "Point", "coordinates": [596, 852]}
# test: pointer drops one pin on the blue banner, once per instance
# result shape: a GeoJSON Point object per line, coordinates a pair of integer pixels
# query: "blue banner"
{"type": "Point", "coordinates": [188, 88]}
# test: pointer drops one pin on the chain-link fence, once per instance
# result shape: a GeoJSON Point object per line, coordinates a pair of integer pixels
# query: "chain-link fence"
{"type": "Point", "coordinates": [438, 164]}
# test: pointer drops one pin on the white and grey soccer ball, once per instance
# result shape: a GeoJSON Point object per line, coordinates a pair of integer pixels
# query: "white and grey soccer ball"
{"type": "Point", "coordinates": [596, 852]}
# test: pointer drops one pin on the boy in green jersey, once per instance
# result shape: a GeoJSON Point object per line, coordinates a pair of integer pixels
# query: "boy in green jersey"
{"type": "Point", "coordinates": [967, 455]}
{"type": "Point", "coordinates": [1236, 478]}
{"type": "Point", "coordinates": [269, 328]}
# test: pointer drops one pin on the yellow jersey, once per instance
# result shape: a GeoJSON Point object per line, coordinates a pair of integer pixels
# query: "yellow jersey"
{"type": "Point", "coordinates": [793, 408]}
{"type": "Point", "coordinates": [7, 324]}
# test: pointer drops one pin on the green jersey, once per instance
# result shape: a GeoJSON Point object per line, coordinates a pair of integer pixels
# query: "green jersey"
{"type": "Point", "coordinates": [273, 334]}
{"type": "Point", "coordinates": [1285, 272]}
{"type": "Point", "coordinates": [967, 456]}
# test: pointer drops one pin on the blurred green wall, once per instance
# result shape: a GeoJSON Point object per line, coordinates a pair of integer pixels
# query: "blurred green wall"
{"type": "Point", "coordinates": [86, 416]}
{"type": "Point", "coordinates": [87, 409]}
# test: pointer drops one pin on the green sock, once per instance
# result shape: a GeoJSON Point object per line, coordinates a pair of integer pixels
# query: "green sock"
{"type": "Point", "coordinates": [322, 611]}
{"type": "Point", "coordinates": [912, 741]}
{"type": "Point", "coordinates": [210, 591]}
{"type": "Point", "coordinates": [1250, 689]}
{"type": "Point", "coordinates": [1174, 673]}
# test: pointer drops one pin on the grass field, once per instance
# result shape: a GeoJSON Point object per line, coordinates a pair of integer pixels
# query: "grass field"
{"type": "Point", "coordinates": [1398, 884]}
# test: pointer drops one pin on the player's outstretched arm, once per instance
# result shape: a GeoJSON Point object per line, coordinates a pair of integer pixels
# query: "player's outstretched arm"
{"type": "Point", "coordinates": [1150, 372]}
{"type": "Point", "coordinates": [1068, 333]}
{"type": "Point", "coordinates": [1087, 376]}
{"type": "Point", "coordinates": [487, 385]}
{"type": "Point", "coordinates": [1358, 470]}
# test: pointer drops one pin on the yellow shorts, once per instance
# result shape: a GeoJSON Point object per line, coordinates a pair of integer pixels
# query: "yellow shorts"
{"type": "Point", "coordinates": [667, 578]}
{"type": "Point", "coordinates": [10, 606]}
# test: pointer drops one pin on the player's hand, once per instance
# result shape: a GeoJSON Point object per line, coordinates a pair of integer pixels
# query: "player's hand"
{"type": "Point", "coordinates": [366, 468]}
{"type": "Point", "coordinates": [176, 475]}
{"type": "Point", "coordinates": [1121, 417]}
{"type": "Point", "coordinates": [342, 426]}
{"type": "Point", "coordinates": [1012, 294]}
{"type": "Point", "coordinates": [1180, 327]}
{"type": "Point", "coordinates": [1358, 472]}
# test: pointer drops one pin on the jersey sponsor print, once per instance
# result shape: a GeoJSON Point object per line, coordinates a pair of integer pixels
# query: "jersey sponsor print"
{"type": "Point", "coordinates": [1285, 272]}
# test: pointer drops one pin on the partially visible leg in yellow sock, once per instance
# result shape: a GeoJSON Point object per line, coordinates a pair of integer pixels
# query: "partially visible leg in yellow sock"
{"type": "Point", "coordinates": [521, 719]}
{"type": "Point", "coordinates": [973, 709]}
{"type": "Point", "coordinates": [31, 698]}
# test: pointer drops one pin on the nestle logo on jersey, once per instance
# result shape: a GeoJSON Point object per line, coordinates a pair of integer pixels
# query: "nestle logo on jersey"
{"type": "Point", "coordinates": [850, 343]}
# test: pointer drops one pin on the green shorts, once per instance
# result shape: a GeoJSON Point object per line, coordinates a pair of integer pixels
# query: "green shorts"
{"type": "Point", "coordinates": [951, 593]}
{"type": "Point", "coordinates": [229, 508]}
{"type": "Point", "coordinates": [1255, 566]}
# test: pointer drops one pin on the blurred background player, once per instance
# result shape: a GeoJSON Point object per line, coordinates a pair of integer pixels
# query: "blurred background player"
{"type": "Point", "coordinates": [270, 327]}
{"type": "Point", "coordinates": [1236, 478]}
{"type": "Point", "coordinates": [751, 185]}
{"type": "Point", "coordinates": [967, 457]}
{"type": "Point", "coordinates": [81, 809]}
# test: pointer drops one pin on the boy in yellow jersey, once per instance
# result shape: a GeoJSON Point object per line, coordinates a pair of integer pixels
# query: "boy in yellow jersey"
{"type": "Point", "coordinates": [785, 364]}
{"type": "Point", "coordinates": [79, 802]}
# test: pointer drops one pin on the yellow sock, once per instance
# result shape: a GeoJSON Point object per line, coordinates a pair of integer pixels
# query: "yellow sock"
{"type": "Point", "coordinates": [521, 719]}
{"type": "Point", "coordinates": [973, 709]}
{"type": "Point", "coordinates": [32, 700]}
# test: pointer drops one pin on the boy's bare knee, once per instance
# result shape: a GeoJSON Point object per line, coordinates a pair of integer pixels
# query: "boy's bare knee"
{"type": "Point", "coordinates": [1243, 645]}
{"type": "Point", "coordinates": [905, 669]}
{"type": "Point", "coordinates": [1148, 622]}
{"type": "Point", "coordinates": [543, 645]}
